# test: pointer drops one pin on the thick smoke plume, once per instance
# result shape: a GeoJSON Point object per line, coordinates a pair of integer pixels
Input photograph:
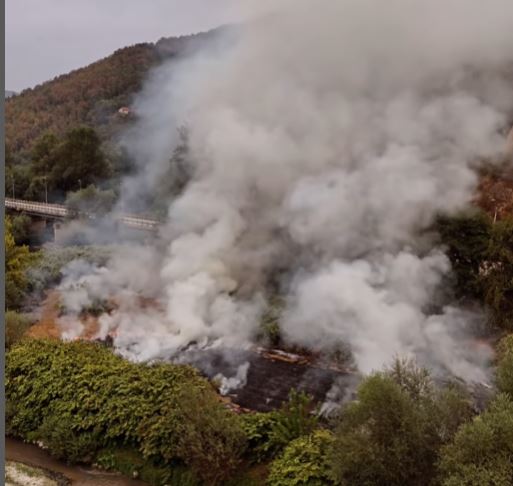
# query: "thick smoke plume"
{"type": "Point", "coordinates": [324, 138]}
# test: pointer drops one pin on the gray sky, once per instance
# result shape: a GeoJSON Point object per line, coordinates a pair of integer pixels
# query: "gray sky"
{"type": "Point", "coordinates": [45, 38]}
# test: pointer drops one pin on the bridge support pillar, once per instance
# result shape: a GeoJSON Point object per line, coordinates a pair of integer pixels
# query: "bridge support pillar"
{"type": "Point", "coordinates": [57, 232]}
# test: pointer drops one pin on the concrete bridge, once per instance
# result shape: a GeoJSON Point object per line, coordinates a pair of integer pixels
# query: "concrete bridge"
{"type": "Point", "coordinates": [57, 213]}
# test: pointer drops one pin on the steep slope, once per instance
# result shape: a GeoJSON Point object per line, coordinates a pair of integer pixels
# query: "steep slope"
{"type": "Point", "coordinates": [90, 96]}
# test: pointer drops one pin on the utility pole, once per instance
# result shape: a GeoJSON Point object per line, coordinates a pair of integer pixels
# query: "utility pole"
{"type": "Point", "coordinates": [46, 191]}
{"type": "Point", "coordinates": [13, 187]}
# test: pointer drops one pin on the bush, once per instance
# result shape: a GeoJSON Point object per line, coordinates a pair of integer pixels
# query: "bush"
{"type": "Point", "coordinates": [268, 433]}
{"type": "Point", "coordinates": [130, 462]}
{"type": "Point", "coordinates": [294, 420]}
{"type": "Point", "coordinates": [305, 461]}
{"type": "Point", "coordinates": [392, 434]}
{"type": "Point", "coordinates": [46, 269]}
{"type": "Point", "coordinates": [259, 432]}
{"type": "Point", "coordinates": [482, 451]}
{"type": "Point", "coordinates": [64, 439]}
{"type": "Point", "coordinates": [17, 259]}
{"type": "Point", "coordinates": [106, 401]}
{"type": "Point", "coordinates": [21, 229]}
{"type": "Point", "coordinates": [212, 455]}
{"type": "Point", "coordinates": [15, 327]}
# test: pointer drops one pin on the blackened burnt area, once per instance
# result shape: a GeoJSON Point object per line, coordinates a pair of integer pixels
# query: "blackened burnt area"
{"type": "Point", "coordinates": [269, 379]}
{"type": "Point", "coordinates": [269, 383]}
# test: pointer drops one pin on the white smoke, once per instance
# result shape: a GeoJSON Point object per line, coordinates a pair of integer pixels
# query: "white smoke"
{"type": "Point", "coordinates": [229, 384]}
{"type": "Point", "coordinates": [325, 138]}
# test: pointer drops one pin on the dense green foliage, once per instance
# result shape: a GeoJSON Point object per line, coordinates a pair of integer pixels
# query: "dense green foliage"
{"type": "Point", "coordinates": [20, 229]}
{"type": "Point", "coordinates": [17, 259]}
{"type": "Point", "coordinates": [305, 461]}
{"type": "Point", "coordinates": [15, 326]}
{"type": "Point", "coordinates": [268, 433]}
{"type": "Point", "coordinates": [131, 463]}
{"type": "Point", "coordinates": [78, 398]}
{"type": "Point", "coordinates": [466, 237]}
{"type": "Point", "coordinates": [392, 433]}
{"type": "Point", "coordinates": [498, 277]}
{"type": "Point", "coordinates": [481, 254]}
{"type": "Point", "coordinates": [91, 200]}
{"type": "Point", "coordinates": [91, 95]}
{"type": "Point", "coordinates": [58, 165]}
{"type": "Point", "coordinates": [482, 451]}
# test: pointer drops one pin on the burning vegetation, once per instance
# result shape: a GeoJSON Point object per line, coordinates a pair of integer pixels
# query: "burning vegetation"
{"type": "Point", "coordinates": [334, 263]}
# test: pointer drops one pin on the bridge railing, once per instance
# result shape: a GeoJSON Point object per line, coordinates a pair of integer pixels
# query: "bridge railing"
{"type": "Point", "coordinates": [58, 210]}
{"type": "Point", "coordinates": [36, 207]}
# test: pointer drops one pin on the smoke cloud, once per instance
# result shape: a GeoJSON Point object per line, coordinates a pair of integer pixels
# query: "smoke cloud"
{"type": "Point", "coordinates": [324, 138]}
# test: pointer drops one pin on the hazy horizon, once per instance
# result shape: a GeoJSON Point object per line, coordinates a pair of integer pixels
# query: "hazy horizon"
{"type": "Point", "coordinates": [46, 40]}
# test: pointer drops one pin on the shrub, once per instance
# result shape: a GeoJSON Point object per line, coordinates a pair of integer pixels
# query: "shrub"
{"type": "Point", "coordinates": [392, 434]}
{"type": "Point", "coordinates": [305, 461]}
{"type": "Point", "coordinates": [130, 462]}
{"type": "Point", "coordinates": [46, 269]}
{"type": "Point", "coordinates": [294, 420]}
{"type": "Point", "coordinates": [482, 451]}
{"type": "Point", "coordinates": [268, 433]}
{"type": "Point", "coordinates": [104, 400]}
{"type": "Point", "coordinates": [270, 331]}
{"type": "Point", "coordinates": [15, 327]}
{"type": "Point", "coordinates": [214, 456]}
{"type": "Point", "coordinates": [21, 229]}
{"type": "Point", "coordinates": [17, 259]}
{"type": "Point", "coordinates": [259, 432]}
{"type": "Point", "coordinates": [64, 439]}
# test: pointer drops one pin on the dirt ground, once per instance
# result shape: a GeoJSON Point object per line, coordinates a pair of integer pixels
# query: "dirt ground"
{"type": "Point", "coordinates": [48, 325]}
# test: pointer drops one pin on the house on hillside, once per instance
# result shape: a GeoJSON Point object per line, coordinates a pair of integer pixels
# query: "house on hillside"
{"type": "Point", "coordinates": [124, 111]}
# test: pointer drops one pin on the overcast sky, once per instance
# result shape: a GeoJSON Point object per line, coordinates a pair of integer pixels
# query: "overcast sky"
{"type": "Point", "coordinates": [45, 38]}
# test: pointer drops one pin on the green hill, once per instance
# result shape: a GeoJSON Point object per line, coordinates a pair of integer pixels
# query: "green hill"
{"type": "Point", "coordinates": [90, 96]}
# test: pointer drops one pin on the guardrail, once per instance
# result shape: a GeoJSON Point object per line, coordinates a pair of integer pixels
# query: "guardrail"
{"type": "Point", "coordinates": [60, 211]}
{"type": "Point", "coordinates": [38, 208]}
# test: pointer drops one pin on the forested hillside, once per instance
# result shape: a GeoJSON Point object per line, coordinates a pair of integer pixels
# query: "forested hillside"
{"type": "Point", "coordinates": [88, 96]}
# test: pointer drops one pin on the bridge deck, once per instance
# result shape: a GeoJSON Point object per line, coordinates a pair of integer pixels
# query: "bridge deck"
{"type": "Point", "coordinates": [62, 212]}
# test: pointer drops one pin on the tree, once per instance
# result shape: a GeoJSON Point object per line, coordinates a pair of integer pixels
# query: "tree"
{"type": "Point", "coordinates": [177, 176]}
{"type": "Point", "coordinates": [17, 258]}
{"type": "Point", "coordinates": [91, 200]}
{"type": "Point", "coordinates": [305, 461]}
{"type": "Point", "coordinates": [505, 365]}
{"type": "Point", "coordinates": [17, 180]}
{"type": "Point", "coordinates": [497, 277]}
{"type": "Point", "coordinates": [79, 160]}
{"type": "Point", "coordinates": [15, 327]}
{"type": "Point", "coordinates": [481, 254]}
{"type": "Point", "coordinates": [20, 227]}
{"type": "Point", "coordinates": [467, 237]}
{"type": "Point", "coordinates": [482, 451]}
{"type": "Point", "coordinates": [392, 434]}
{"type": "Point", "coordinates": [43, 154]}
{"type": "Point", "coordinates": [211, 441]}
